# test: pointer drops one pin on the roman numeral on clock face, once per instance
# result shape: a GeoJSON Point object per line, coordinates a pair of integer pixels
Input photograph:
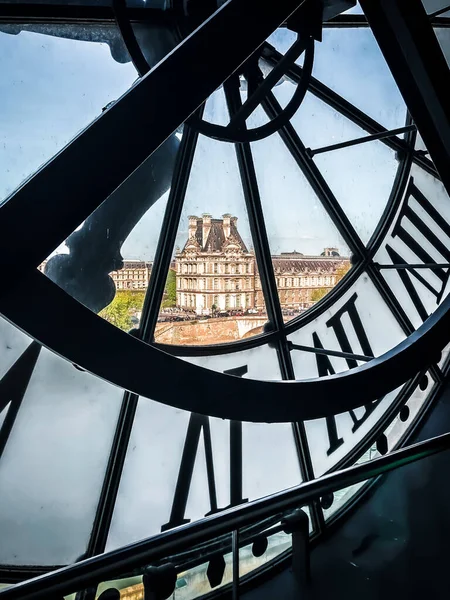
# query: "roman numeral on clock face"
{"type": "Point", "coordinates": [419, 250]}
{"type": "Point", "coordinates": [200, 425]}
{"type": "Point", "coordinates": [325, 367]}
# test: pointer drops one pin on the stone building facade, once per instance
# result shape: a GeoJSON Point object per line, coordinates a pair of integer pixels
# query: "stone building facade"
{"type": "Point", "coordinates": [215, 271]}
{"type": "Point", "coordinates": [134, 275]}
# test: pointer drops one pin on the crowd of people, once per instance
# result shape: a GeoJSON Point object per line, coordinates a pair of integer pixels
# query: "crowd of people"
{"type": "Point", "coordinates": [171, 315]}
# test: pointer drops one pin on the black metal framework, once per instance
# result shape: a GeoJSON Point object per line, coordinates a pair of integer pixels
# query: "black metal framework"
{"type": "Point", "coordinates": [41, 12]}
{"type": "Point", "coordinates": [363, 257]}
{"type": "Point", "coordinates": [361, 140]}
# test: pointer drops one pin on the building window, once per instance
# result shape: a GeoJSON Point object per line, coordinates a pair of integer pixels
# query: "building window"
{"type": "Point", "coordinates": [216, 283]}
{"type": "Point", "coordinates": [247, 268]}
{"type": "Point", "coordinates": [216, 268]}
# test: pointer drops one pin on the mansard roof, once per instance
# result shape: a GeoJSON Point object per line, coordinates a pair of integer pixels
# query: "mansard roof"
{"type": "Point", "coordinates": [281, 264]}
{"type": "Point", "coordinates": [216, 240]}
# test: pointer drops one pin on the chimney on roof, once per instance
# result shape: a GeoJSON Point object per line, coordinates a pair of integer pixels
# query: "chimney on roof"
{"type": "Point", "coordinates": [206, 227]}
{"type": "Point", "coordinates": [192, 226]}
{"type": "Point", "coordinates": [226, 224]}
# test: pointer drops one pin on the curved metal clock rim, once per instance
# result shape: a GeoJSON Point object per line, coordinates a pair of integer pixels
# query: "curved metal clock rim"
{"type": "Point", "coordinates": [223, 133]}
{"type": "Point", "coordinates": [68, 328]}
{"type": "Point", "coordinates": [15, 573]}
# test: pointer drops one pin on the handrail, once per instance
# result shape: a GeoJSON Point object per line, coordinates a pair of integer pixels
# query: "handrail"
{"type": "Point", "coordinates": [110, 565]}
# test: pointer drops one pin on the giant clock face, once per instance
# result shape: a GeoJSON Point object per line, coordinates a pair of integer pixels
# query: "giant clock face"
{"type": "Point", "coordinates": [267, 248]}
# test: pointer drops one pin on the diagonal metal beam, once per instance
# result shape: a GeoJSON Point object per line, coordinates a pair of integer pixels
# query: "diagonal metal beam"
{"type": "Point", "coordinates": [316, 180]}
{"type": "Point", "coordinates": [412, 52]}
{"type": "Point", "coordinates": [362, 140]}
{"type": "Point", "coordinates": [349, 110]}
{"type": "Point", "coordinates": [51, 204]}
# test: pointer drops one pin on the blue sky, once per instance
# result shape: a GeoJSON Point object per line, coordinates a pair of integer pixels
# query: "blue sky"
{"type": "Point", "coordinates": [51, 88]}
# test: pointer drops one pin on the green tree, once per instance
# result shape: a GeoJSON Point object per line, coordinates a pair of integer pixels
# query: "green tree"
{"type": "Point", "coordinates": [170, 291]}
{"type": "Point", "coordinates": [340, 272]}
{"type": "Point", "coordinates": [122, 308]}
{"type": "Point", "coordinates": [319, 293]}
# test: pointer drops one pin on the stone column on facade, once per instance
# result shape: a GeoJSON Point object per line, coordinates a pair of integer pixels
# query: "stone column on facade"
{"type": "Point", "coordinates": [226, 224]}
{"type": "Point", "coordinates": [192, 226]}
{"type": "Point", "coordinates": [206, 227]}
